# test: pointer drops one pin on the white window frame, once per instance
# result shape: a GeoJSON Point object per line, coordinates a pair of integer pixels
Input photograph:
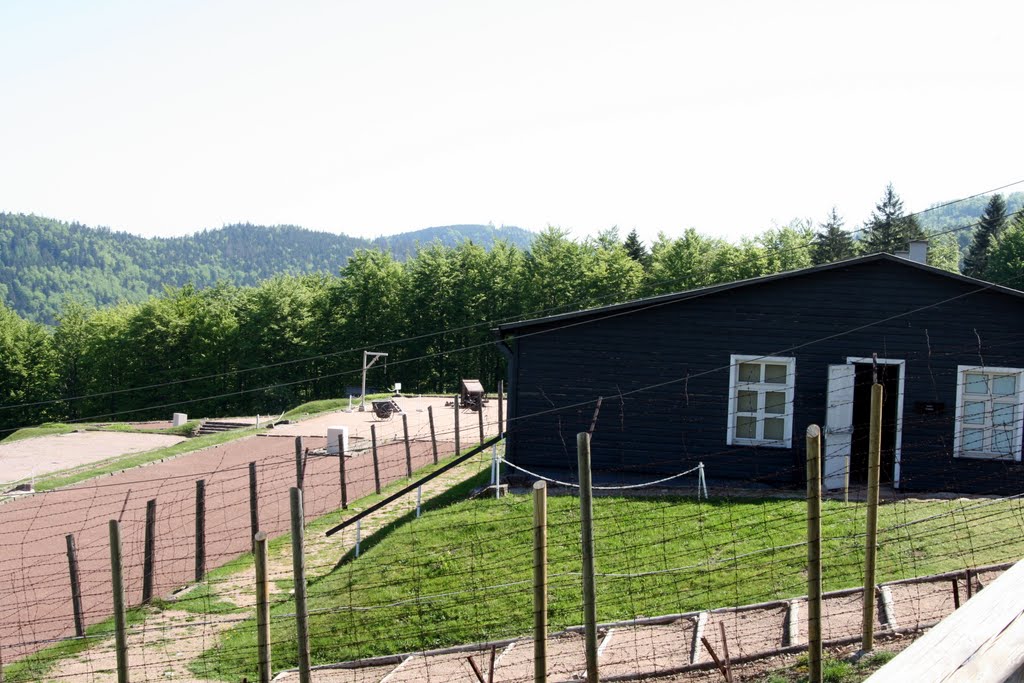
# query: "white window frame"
{"type": "Point", "coordinates": [735, 386]}
{"type": "Point", "coordinates": [961, 396]}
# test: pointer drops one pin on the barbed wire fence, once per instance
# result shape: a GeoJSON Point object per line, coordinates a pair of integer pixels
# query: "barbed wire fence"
{"type": "Point", "coordinates": [442, 586]}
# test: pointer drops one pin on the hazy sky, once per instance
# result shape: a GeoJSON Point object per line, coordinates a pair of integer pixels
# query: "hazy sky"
{"type": "Point", "coordinates": [377, 117]}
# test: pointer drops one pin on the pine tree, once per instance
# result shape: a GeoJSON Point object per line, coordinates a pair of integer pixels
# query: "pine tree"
{"type": "Point", "coordinates": [1006, 259]}
{"type": "Point", "coordinates": [832, 243]}
{"type": "Point", "coordinates": [636, 249]}
{"type": "Point", "coordinates": [889, 230]}
{"type": "Point", "coordinates": [991, 225]}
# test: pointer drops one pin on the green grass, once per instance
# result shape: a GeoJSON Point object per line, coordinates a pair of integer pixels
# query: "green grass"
{"type": "Point", "coordinates": [208, 666]}
{"type": "Point", "coordinates": [51, 428]}
{"type": "Point", "coordinates": [181, 430]}
{"type": "Point", "coordinates": [35, 666]}
{"type": "Point", "coordinates": [327, 406]}
{"type": "Point", "coordinates": [654, 556]}
{"type": "Point", "coordinates": [832, 670]}
{"type": "Point", "coordinates": [119, 463]}
{"type": "Point", "coordinates": [202, 599]}
{"type": "Point", "coordinates": [46, 429]}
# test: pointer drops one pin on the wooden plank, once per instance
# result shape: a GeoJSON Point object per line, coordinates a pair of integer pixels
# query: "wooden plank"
{"type": "Point", "coordinates": [943, 652]}
{"type": "Point", "coordinates": [698, 635]}
{"type": "Point", "coordinates": [1000, 659]}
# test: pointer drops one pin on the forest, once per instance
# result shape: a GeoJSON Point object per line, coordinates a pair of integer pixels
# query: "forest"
{"type": "Point", "coordinates": [230, 349]}
{"type": "Point", "coordinates": [43, 262]}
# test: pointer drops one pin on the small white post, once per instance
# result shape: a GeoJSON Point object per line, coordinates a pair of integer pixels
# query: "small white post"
{"type": "Point", "coordinates": [362, 394]}
{"type": "Point", "coordinates": [497, 471]}
{"type": "Point", "coordinates": [257, 420]}
{"type": "Point", "coordinates": [419, 495]}
{"type": "Point", "coordinates": [702, 483]}
{"type": "Point", "coordinates": [359, 534]}
{"type": "Point", "coordinates": [493, 482]}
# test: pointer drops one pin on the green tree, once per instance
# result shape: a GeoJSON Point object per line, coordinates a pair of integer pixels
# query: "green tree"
{"type": "Point", "coordinates": [888, 230]}
{"type": "Point", "coordinates": [26, 371]}
{"type": "Point", "coordinates": [556, 272]}
{"type": "Point", "coordinates": [785, 248]}
{"type": "Point", "coordinates": [944, 252]}
{"type": "Point", "coordinates": [693, 260]}
{"type": "Point", "coordinates": [832, 242]}
{"type": "Point", "coordinates": [273, 331]}
{"type": "Point", "coordinates": [992, 223]}
{"type": "Point", "coordinates": [70, 342]}
{"type": "Point", "coordinates": [612, 274]}
{"type": "Point", "coordinates": [636, 250]}
{"type": "Point", "coordinates": [1006, 259]}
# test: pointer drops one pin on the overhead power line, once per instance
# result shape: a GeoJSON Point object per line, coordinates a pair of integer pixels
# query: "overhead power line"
{"type": "Point", "coordinates": [488, 324]}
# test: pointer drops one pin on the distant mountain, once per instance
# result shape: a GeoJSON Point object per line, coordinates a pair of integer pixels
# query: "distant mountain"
{"type": "Point", "coordinates": [964, 213]}
{"type": "Point", "coordinates": [45, 261]}
{"type": "Point", "coordinates": [404, 244]}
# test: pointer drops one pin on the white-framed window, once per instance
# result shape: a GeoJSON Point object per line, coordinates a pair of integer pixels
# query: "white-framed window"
{"type": "Point", "coordinates": [989, 404]}
{"type": "Point", "coordinates": [761, 400]}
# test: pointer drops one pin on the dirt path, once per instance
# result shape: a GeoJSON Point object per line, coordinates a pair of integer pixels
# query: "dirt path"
{"type": "Point", "coordinates": [163, 647]}
{"type": "Point", "coordinates": [47, 454]}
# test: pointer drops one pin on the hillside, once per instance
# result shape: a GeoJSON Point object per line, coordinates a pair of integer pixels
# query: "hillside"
{"type": "Point", "coordinates": [964, 213]}
{"type": "Point", "coordinates": [43, 261]}
{"type": "Point", "coordinates": [403, 245]}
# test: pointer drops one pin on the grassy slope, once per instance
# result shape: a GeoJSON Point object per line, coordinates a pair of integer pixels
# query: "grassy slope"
{"type": "Point", "coordinates": [47, 429]}
{"type": "Point", "coordinates": [314, 408]}
{"type": "Point", "coordinates": [126, 462]}
{"type": "Point", "coordinates": [476, 555]}
{"type": "Point", "coordinates": [36, 666]}
{"type": "Point", "coordinates": [203, 598]}
{"type": "Point", "coordinates": [51, 428]}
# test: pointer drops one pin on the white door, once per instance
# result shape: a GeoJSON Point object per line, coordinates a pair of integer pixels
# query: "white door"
{"type": "Point", "coordinates": [838, 425]}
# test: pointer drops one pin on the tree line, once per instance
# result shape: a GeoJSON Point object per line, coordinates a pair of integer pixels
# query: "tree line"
{"type": "Point", "coordinates": [43, 261]}
{"type": "Point", "coordinates": [234, 350]}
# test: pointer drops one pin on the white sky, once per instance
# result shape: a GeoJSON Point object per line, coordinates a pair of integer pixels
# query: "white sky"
{"type": "Point", "coordinates": [370, 118]}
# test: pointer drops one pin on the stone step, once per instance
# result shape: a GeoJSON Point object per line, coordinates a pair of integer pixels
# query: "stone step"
{"type": "Point", "coordinates": [217, 426]}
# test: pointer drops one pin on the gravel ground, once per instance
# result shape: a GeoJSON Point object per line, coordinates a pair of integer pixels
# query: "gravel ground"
{"type": "Point", "coordinates": [47, 454]}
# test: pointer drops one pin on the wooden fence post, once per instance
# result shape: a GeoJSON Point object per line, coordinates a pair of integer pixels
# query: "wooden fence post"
{"type": "Point", "coordinates": [408, 453]}
{"type": "Point", "coordinates": [480, 418]}
{"type": "Point", "coordinates": [587, 534]}
{"type": "Point", "coordinates": [458, 448]}
{"type": "Point", "coordinates": [813, 554]}
{"type": "Point", "coordinates": [149, 552]}
{"type": "Point", "coordinates": [341, 471]}
{"type": "Point", "coordinates": [376, 464]}
{"type": "Point", "coordinates": [300, 464]}
{"type": "Point", "coordinates": [871, 543]}
{"type": "Point", "coordinates": [433, 434]}
{"type": "Point", "coordinates": [117, 584]}
{"type": "Point", "coordinates": [299, 572]}
{"type": "Point", "coordinates": [76, 586]}
{"type": "Point", "coordinates": [540, 581]}
{"type": "Point", "coordinates": [262, 606]}
{"type": "Point", "coordinates": [501, 407]}
{"type": "Point", "coordinates": [200, 529]}
{"type": "Point", "coordinates": [254, 503]}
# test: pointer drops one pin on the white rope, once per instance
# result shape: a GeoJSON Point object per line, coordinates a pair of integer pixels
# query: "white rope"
{"type": "Point", "coordinates": [602, 488]}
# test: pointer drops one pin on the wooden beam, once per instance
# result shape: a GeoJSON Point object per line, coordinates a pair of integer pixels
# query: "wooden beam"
{"type": "Point", "coordinates": [978, 642]}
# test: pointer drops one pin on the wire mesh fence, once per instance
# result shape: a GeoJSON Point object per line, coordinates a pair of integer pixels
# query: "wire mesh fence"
{"type": "Point", "coordinates": [440, 584]}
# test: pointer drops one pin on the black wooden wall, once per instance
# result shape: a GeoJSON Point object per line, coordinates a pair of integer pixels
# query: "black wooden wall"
{"type": "Point", "coordinates": [682, 350]}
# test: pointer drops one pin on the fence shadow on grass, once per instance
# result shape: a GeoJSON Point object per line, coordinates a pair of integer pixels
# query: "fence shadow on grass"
{"type": "Point", "coordinates": [450, 496]}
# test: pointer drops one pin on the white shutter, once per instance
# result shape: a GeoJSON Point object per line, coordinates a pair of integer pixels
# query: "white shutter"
{"type": "Point", "coordinates": [838, 425]}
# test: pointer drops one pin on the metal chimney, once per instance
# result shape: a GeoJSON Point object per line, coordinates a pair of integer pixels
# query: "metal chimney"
{"type": "Point", "coordinates": [919, 251]}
